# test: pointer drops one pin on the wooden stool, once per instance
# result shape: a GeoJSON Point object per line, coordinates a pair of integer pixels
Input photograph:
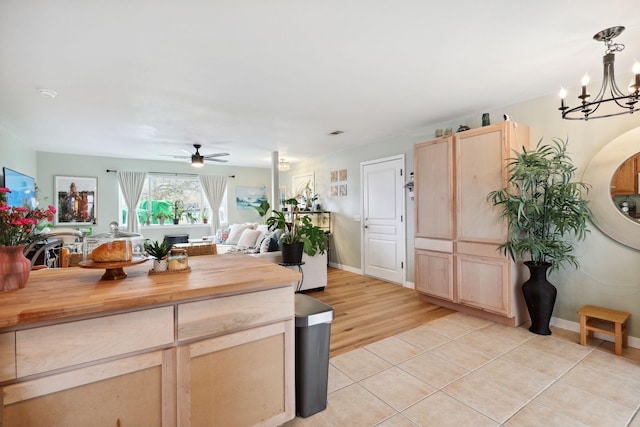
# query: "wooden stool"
{"type": "Point", "coordinates": [590, 316]}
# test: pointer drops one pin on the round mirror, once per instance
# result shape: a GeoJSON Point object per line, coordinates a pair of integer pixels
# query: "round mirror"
{"type": "Point", "coordinates": [602, 175]}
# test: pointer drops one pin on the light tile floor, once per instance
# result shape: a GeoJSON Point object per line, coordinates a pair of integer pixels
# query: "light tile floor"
{"type": "Point", "coordinates": [464, 371]}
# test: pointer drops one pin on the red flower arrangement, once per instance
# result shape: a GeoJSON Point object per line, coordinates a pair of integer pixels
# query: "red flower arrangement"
{"type": "Point", "coordinates": [18, 225]}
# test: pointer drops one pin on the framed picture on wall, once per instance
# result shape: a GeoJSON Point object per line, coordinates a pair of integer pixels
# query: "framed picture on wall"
{"type": "Point", "coordinates": [76, 200]}
{"type": "Point", "coordinates": [300, 182]}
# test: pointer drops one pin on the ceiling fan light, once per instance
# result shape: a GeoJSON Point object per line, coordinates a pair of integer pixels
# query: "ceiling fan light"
{"type": "Point", "coordinates": [197, 161]}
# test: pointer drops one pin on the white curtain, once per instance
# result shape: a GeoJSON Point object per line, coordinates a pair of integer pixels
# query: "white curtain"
{"type": "Point", "coordinates": [214, 187]}
{"type": "Point", "coordinates": [131, 184]}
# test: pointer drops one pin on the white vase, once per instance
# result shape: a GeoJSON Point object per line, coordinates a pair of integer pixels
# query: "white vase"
{"type": "Point", "coordinates": [160, 265]}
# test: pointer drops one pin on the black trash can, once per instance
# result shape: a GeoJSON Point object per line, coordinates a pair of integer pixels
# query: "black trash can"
{"type": "Point", "coordinates": [313, 331]}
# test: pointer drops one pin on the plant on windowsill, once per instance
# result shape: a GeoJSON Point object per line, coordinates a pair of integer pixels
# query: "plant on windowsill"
{"type": "Point", "coordinates": [191, 217]}
{"type": "Point", "coordinates": [159, 251]}
{"type": "Point", "coordinates": [204, 215]}
{"type": "Point", "coordinates": [178, 210]}
{"type": "Point", "coordinates": [542, 205]}
{"type": "Point", "coordinates": [300, 235]}
{"type": "Point", "coordinates": [162, 217]}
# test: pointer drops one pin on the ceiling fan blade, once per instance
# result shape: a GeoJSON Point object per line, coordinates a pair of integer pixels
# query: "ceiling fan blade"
{"type": "Point", "coordinates": [216, 160]}
{"type": "Point", "coordinates": [211, 156]}
{"type": "Point", "coordinates": [174, 156]}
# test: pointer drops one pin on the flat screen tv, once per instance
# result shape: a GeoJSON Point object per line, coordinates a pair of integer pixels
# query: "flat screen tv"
{"type": "Point", "coordinates": [23, 189]}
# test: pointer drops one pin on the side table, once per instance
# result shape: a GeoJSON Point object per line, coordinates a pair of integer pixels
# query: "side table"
{"type": "Point", "coordinates": [295, 264]}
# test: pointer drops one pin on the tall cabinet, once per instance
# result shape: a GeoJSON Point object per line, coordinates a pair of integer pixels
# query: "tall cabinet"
{"type": "Point", "coordinates": [458, 231]}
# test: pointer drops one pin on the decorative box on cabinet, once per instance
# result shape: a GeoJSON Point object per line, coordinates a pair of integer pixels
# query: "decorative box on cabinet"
{"type": "Point", "coordinates": [457, 229]}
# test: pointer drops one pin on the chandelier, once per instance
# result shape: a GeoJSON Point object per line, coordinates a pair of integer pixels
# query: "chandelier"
{"type": "Point", "coordinates": [616, 101]}
{"type": "Point", "coordinates": [283, 166]}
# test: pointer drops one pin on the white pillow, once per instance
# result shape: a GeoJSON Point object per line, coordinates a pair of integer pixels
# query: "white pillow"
{"type": "Point", "coordinates": [263, 227]}
{"type": "Point", "coordinates": [235, 232]}
{"type": "Point", "coordinates": [248, 238]}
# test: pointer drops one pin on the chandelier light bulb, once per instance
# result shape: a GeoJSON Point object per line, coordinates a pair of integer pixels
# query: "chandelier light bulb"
{"type": "Point", "coordinates": [585, 80]}
{"type": "Point", "coordinates": [636, 68]}
{"type": "Point", "coordinates": [563, 93]}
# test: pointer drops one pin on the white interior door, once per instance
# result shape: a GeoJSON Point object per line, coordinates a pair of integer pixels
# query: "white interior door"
{"type": "Point", "coordinates": [383, 252]}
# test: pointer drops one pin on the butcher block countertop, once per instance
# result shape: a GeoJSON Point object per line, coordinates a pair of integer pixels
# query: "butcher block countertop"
{"type": "Point", "coordinates": [52, 294]}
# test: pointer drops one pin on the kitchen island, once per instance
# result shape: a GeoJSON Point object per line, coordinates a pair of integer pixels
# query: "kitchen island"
{"type": "Point", "coordinates": [212, 346]}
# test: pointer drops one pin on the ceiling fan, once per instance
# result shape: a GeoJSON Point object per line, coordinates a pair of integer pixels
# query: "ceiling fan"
{"type": "Point", "coordinates": [197, 159]}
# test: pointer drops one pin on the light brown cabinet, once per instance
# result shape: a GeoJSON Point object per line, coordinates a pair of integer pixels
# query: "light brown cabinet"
{"type": "Point", "coordinates": [211, 348]}
{"type": "Point", "coordinates": [625, 180]}
{"type": "Point", "coordinates": [457, 229]}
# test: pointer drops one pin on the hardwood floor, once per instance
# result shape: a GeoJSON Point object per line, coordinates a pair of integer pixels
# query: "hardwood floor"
{"type": "Point", "coordinates": [368, 310]}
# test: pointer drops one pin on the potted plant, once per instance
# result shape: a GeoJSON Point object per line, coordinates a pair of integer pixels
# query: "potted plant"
{"type": "Point", "coordinates": [542, 205]}
{"type": "Point", "coordinates": [148, 216]}
{"type": "Point", "coordinates": [262, 208]}
{"type": "Point", "coordinates": [204, 215]}
{"type": "Point", "coordinates": [161, 217]}
{"type": "Point", "coordinates": [308, 197]}
{"type": "Point", "coordinates": [178, 210]}
{"type": "Point", "coordinates": [191, 217]}
{"type": "Point", "coordinates": [300, 235]}
{"type": "Point", "coordinates": [159, 251]}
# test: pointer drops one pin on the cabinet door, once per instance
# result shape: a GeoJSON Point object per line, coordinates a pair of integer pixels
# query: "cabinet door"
{"type": "Point", "coordinates": [484, 283]}
{"type": "Point", "coordinates": [481, 155]}
{"type": "Point", "coordinates": [625, 180]}
{"type": "Point", "coordinates": [241, 379]}
{"type": "Point", "coordinates": [434, 188]}
{"type": "Point", "coordinates": [434, 274]}
{"type": "Point", "coordinates": [127, 392]}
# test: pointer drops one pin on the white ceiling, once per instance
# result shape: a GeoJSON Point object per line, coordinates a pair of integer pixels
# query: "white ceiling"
{"type": "Point", "coordinates": [147, 78]}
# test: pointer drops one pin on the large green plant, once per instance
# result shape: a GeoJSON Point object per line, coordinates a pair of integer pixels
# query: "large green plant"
{"type": "Point", "coordinates": [300, 229]}
{"type": "Point", "coordinates": [542, 205]}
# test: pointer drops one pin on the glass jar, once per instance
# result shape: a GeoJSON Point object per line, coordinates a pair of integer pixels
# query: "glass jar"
{"type": "Point", "coordinates": [178, 260]}
{"type": "Point", "coordinates": [113, 246]}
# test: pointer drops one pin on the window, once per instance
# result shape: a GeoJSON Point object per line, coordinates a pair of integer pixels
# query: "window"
{"type": "Point", "coordinates": [165, 193]}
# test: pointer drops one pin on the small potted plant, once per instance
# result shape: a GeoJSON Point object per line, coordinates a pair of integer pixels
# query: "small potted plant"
{"type": "Point", "coordinates": [159, 251]}
{"type": "Point", "coordinates": [178, 210]}
{"type": "Point", "coordinates": [204, 215]}
{"type": "Point", "coordinates": [148, 215]}
{"type": "Point", "coordinates": [191, 217]}
{"type": "Point", "coordinates": [162, 217]}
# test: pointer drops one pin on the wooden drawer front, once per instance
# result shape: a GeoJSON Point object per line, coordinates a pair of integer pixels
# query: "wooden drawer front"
{"type": "Point", "coordinates": [223, 315]}
{"type": "Point", "coordinates": [7, 356]}
{"type": "Point", "coordinates": [58, 346]}
{"type": "Point", "coordinates": [434, 244]}
{"type": "Point", "coordinates": [480, 249]}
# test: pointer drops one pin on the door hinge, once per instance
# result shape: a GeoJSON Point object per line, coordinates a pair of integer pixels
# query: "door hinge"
{"type": "Point", "coordinates": [401, 264]}
{"type": "Point", "coordinates": [401, 218]}
{"type": "Point", "coordinates": [400, 172]}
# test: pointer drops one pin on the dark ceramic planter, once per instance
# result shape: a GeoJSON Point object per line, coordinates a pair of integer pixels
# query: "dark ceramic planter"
{"type": "Point", "coordinates": [292, 253]}
{"type": "Point", "coordinates": [540, 296]}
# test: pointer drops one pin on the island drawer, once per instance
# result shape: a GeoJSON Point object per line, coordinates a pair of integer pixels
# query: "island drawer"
{"type": "Point", "coordinates": [223, 315]}
{"type": "Point", "coordinates": [7, 356]}
{"type": "Point", "coordinates": [58, 346]}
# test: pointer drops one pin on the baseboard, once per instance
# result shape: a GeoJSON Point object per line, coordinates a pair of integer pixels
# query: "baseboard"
{"type": "Point", "coordinates": [346, 267]}
{"type": "Point", "coordinates": [409, 285]}
{"type": "Point", "coordinates": [575, 327]}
